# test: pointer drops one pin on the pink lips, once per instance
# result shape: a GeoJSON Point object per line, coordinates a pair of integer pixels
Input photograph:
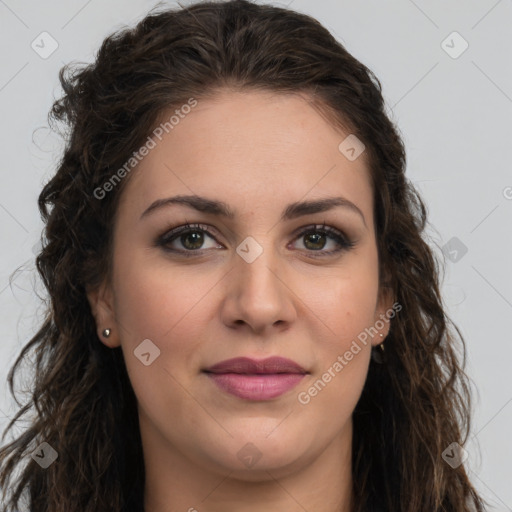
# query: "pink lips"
{"type": "Point", "coordinates": [256, 380]}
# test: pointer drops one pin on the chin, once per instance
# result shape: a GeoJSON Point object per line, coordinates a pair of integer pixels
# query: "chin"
{"type": "Point", "coordinates": [265, 469]}
{"type": "Point", "coordinates": [261, 458]}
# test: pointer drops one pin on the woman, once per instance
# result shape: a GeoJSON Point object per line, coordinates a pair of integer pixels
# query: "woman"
{"type": "Point", "coordinates": [244, 314]}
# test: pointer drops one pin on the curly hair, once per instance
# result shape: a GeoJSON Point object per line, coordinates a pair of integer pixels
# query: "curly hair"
{"type": "Point", "coordinates": [413, 405]}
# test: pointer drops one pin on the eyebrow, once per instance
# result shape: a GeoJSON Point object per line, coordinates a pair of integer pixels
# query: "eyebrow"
{"type": "Point", "coordinates": [221, 209]}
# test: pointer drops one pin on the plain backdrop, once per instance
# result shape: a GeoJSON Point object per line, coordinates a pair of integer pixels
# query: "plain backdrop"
{"type": "Point", "coordinates": [446, 71]}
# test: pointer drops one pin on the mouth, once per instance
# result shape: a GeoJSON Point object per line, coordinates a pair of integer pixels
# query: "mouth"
{"type": "Point", "coordinates": [254, 380]}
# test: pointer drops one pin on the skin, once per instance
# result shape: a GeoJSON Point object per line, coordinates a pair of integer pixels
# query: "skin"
{"type": "Point", "coordinates": [257, 152]}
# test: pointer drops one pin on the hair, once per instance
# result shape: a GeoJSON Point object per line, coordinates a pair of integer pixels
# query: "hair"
{"type": "Point", "coordinates": [413, 405]}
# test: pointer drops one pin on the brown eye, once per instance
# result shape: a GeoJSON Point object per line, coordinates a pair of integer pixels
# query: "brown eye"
{"type": "Point", "coordinates": [192, 240]}
{"type": "Point", "coordinates": [316, 241]}
{"type": "Point", "coordinates": [189, 238]}
{"type": "Point", "coordinates": [315, 238]}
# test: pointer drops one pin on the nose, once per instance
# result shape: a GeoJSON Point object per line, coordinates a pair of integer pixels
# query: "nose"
{"type": "Point", "coordinates": [259, 295]}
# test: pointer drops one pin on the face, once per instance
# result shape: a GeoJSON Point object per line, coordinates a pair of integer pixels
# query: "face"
{"type": "Point", "coordinates": [275, 278]}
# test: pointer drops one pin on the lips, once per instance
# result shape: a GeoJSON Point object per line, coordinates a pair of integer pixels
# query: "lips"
{"type": "Point", "coordinates": [254, 380]}
{"type": "Point", "coordinates": [245, 365]}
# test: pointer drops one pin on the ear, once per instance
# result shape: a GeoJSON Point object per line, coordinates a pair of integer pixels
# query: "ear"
{"type": "Point", "coordinates": [386, 310]}
{"type": "Point", "coordinates": [101, 300]}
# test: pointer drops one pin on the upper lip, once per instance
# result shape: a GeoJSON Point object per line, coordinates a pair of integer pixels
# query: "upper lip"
{"type": "Point", "coordinates": [246, 365]}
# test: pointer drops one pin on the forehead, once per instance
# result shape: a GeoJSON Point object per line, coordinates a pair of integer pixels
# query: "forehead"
{"type": "Point", "coordinates": [251, 150]}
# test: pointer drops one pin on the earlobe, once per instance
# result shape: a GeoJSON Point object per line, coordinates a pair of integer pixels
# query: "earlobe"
{"type": "Point", "coordinates": [383, 314]}
{"type": "Point", "coordinates": [102, 309]}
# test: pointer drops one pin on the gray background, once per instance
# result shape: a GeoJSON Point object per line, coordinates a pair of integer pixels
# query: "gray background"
{"type": "Point", "coordinates": [454, 114]}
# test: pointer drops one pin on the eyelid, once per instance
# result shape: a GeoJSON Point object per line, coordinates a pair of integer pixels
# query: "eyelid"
{"type": "Point", "coordinates": [169, 234]}
{"type": "Point", "coordinates": [343, 241]}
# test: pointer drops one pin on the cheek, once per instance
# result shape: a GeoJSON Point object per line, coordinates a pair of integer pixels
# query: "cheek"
{"type": "Point", "coordinates": [343, 354]}
{"type": "Point", "coordinates": [345, 301]}
{"type": "Point", "coordinates": [171, 306]}
{"type": "Point", "coordinates": [348, 313]}
{"type": "Point", "coordinates": [152, 297]}
{"type": "Point", "coordinates": [163, 305]}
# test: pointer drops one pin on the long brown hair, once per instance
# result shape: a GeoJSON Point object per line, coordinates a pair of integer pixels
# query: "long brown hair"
{"type": "Point", "coordinates": [414, 404]}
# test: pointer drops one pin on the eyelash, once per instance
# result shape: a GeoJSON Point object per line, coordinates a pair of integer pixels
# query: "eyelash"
{"type": "Point", "coordinates": [344, 244]}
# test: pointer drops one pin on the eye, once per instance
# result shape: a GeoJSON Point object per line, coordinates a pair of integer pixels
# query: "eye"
{"type": "Point", "coordinates": [316, 237]}
{"type": "Point", "coordinates": [192, 237]}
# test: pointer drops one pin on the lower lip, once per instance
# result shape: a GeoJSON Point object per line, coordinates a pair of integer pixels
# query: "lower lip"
{"type": "Point", "coordinates": [256, 387]}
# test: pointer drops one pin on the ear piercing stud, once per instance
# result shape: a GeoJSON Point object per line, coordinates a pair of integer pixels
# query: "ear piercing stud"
{"type": "Point", "coordinates": [106, 333]}
{"type": "Point", "coordinates": [378, 352]}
